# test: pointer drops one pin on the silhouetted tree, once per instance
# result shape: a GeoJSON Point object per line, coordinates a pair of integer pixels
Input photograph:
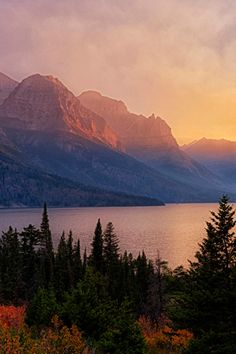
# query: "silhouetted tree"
{"type": "Point", "coordinates": [77, 263]}
{"type": "Point", "coordinates": [97, 249]}
{"type": "Point", "coordinates": [85, 261]}
{"type": "Point", "coordinates": [61, 267]}
{"type": "Point", "coordinates": [210, 292]}
{"type": "Point", "coordinates": [70, 260]}
{"type": "Point", "coordinates": [111, 247]}
{"type": "Point", "coordinates": [29, 239]}
{"type": "Point", "coordinates": [46, 251]}
{"type": "Point", "coordinates": [111, 260]}
{"type": "Point", "coordinates": [10, 267]}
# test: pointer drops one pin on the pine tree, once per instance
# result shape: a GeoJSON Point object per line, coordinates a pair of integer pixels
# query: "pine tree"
{"type": "Point", "coordinates": [46, 251]}
{"type": "Point", "coordinates": [70, 265]}
{"type": "Point", "coordinates": [112, 264]}
{"type": "Point", "coordinates": [217, 254]}
{"type": "Point", "coordinates": [42, 307]}
{"type": "Point", "coordinates": [128, 280]}
{"type": "Point", "coordinates": [77, 263]}
{"type": "Point", "coordinates": [61, 267]}
{"type": "Point", "coordinates": [85, 261]}
{"type": "Point", "coordinates": [156, 294]}
{"type": "Point", "coordinates": [210, 292]}
{"type": "Point", "coordinates": [97, 248]}
{"type": "Point", "coordinates": [111, 246]}
{"type": "Point", "coordinates": [29, 239]}
{"type": "Point", "coordinates": [141, 281]}
{"type": "Point", "coordinates": [11, 287]}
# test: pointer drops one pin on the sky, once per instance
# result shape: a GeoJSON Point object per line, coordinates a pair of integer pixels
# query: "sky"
{"type": "Point", "coordinates": [174, 58]}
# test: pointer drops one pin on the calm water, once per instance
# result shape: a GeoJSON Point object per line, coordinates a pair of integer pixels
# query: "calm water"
{"type": "Point", "coordinates": [174, 230]}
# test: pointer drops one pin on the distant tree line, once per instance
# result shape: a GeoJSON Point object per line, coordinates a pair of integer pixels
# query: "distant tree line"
{"type": "Point", "coordinates": [105, 292]}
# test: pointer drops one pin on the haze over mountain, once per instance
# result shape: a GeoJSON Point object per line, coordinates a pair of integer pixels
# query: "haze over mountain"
{"type": "Point", "coordinates": [7, 85]}
{"type": "Point", "coordinates": [175, 58]}
{"type": "Point", "coordinates": [49, 130]}
{"type": "Point", "coordinates": [217, 155]}
{"type": "Point", "coordinates": [150, 140]}
{"type": "Point", "coordinates": [44, 103]}
{"type": "Point", "coordinates": [22, 185]}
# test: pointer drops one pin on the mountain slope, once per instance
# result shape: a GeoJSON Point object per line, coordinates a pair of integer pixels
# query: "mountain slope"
{"type": "Point", "coordinates": [84, 161]}
{"type": "Point", "coordinates": [44, 103]}
{"type": "Point", "coordinates": [218, 155]}
{"type": "Point", "coordinates": [150, 140]}
{"type": "Point", "coordinates": [7, 85]}
{"type": "Point", "coordinates": [22, 185]}
{"type": "Point", "coordinates": [52, 131]}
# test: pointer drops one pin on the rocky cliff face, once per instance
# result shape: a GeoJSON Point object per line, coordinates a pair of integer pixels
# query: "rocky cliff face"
{"type": "Point", "coordinates": [149, 139]}
{"type": "Point", "coordinates": [133, 130]}
{"type": "Point", "coordinates": [44, 103]}
{"type": "Point", "coordinates": [7, 85]}
{"type": "Point", "coordinates": [46, 128]}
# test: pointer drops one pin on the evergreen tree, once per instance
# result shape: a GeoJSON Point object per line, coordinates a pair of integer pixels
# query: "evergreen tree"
{"type": "Point", "coordinates": [97, 248]}
{"type": "Point", "coordinates": [156, 294]}
{"type": "Point", "coordinates": [128, 282]}
{"type": "Point", "coordinates": [111, 247]}
{"type": "Point", "coordinates": [70, 265]}
{"type": "Point", "coordinates": [61, 267]}
{"type": "Point", "coordinates": [42, 307]}
{"type": "Point", "coordinates": [77, 263]}
{"type": "Point", "coordinates": [108, 327]}
{"type": "Point", "coordinates": [217, 254]}
{"type": "Point", "coordinates": [142, 279]}
{"type": "Point", "coordinates": [11, 286]}
{"type": "Point", "coordinates": [84, 264]}
{"type": "Point", "coordinates": [29, 239]}
{"type": "Point", "coordinates": [46, 251]}
{"type": "Point", "coordinates": [112, 263]}
{"type": "Point", "coordinates": [210, 292]}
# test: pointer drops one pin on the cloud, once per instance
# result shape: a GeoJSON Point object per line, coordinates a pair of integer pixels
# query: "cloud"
{"type": "Point", "coordinates": [176, 58]}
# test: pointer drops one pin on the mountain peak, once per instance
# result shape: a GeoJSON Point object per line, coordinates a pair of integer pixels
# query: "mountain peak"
{"type": "Point", "coordinates": [132, 129]}
{"type": "Point", "coordinates": [209, 147]}
{"type": "Point", "coordinates": [152, 116]}
{"type": "Point", "coordinates": [102, 105]}
{"type": "Point", "coordinates": [43, 103]}
{"type": "Point", "coordinates": [92, 93]}
{"type": "Point", "coordinates": [43, 81]}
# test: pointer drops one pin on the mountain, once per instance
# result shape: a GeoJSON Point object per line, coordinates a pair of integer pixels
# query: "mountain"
{"type": "Point", "coordinates": [22, 185]}
{"type": "Point", "coordinates": [44, 103]}
{"type": "Point", "coordinates": [83, 161]}
{"type": "Point", "coordinates": [51, 131]}
{"type": "Point", "coordinates": [7, 85]}
{"type": "Point", "coordinates": [149, 140]}
{"type": "Point", "coordinates": [217, 155]}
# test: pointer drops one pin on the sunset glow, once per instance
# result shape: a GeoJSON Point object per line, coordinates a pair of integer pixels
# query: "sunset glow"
{"type": "Point", "coordinates": [174, 58]}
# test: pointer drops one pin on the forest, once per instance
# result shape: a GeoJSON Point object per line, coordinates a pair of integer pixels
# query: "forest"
{"type": "Point", "coordinates": [105, 302]}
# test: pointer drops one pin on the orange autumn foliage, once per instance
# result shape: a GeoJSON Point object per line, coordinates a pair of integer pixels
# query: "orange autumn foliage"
{"type": "Point", "coordinates": [164, 339]}
{"type": "Point", "coordinates": [60, 339]}
{"type": "Point", "coordinates": [12, 317]}
{"type": "Point", "coordinates": [16, 337]}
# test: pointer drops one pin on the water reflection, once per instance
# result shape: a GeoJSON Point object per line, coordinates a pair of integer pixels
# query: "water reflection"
{"type": "Point", "coordinates": [175, 230]}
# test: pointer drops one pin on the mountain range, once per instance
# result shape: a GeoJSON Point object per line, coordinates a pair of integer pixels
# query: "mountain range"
{"type": "Point", "coordinates": [218, 155]}
{"type": "Point", "coordinates": [149, 139]}
{"type": "Point", "coordinates": [90, 150]}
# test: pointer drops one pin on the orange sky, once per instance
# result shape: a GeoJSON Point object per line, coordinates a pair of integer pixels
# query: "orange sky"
{"type": "Point", "coordinates": [176, 58]}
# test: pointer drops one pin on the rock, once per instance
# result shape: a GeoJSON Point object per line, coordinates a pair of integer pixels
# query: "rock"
{"type": "Point", "coordinates": [44, 103]}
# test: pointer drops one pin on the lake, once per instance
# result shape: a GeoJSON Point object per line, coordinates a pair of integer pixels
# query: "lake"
{"type": "Point", "coordinates": [174, 230]}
